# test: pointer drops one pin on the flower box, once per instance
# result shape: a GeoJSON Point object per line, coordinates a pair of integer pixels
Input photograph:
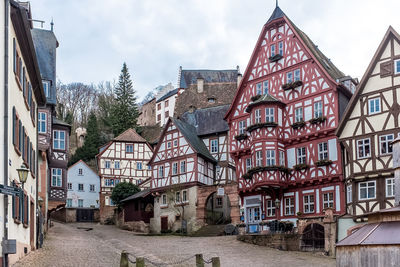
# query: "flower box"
{"type": "Point", "coordinates": [261, 125]}
{"type": "Point", "coordinates": [292, 85]}
{"type": "Point", "coordinates": [240, 137]}
{"type": "Point", "coordinates": [255, 98]}
{"type": "Point", "coordinates": [324, 162]}
{"type": "Point", "coordinates": [275, 58]}
{"type": "Point", "coordinates": [300, 167]}
{"type": "Point", "coordinates": [298, 124]}
{"type": "Point", "coordinates": [247, 176]}
{"type": "Point", "coordinates": [317, 120]}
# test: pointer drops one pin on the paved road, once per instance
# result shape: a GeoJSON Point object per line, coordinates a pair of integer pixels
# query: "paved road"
{"type": "Point", "coordinates": [66, 245]}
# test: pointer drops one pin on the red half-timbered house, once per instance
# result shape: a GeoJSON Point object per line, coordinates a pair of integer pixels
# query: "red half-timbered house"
{"type": "Point", "coordinates": [282, 128]}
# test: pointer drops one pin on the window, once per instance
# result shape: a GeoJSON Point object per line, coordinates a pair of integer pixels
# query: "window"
{"type": "Point", "coordinates": [178, 197]}
{"type": "Point", "coordinates": [269, 115]}
{"type": "Point", "coordinates": [167, 114]}
{"type": "Point", "coordinates": [218, 202]}
{"type": "Point", "coordinates": [309, 204]}
{"type": "Point", "coordinates": [211, 100]}
{"type": "Point", "coordinates": [158, 106]}
{"type": "Point", "coordinates": [266, 85]}
{"type": "Point", "coordinates": [161, 171]}
{"type": "Point", "coordinates": [80, 187]}
{"type": "Point", "coordinates": [374, 105]}
{"type": "Point", "coordinates": [298, 115]}
{"type": "Point", "coordinates": [175, 168]}
{"type": "Point", "coordinates": [323, 151]}
{"type": "Point", "coordinates": [318, 109]}
{"type": "Point", "coordinates": [108, 164]}
{"type": "Point", "coordinates": [139, 166]}
{"type": "Point", "coordinates": [80, 171]}
{"type": "Point", "coordinates": [280, 48]}
{"type": "Point", "coordinates": [69, 185]}
{"type": "Point", "coordinates": [109, 182]}
{"type": "Point", "coordinates": [159, 117]}
{"type": "Point", "coordinates": [69, 202]}
{"type": "Point", "coordinates": [327, 200]}
{"type": "Point", "coordinates": [270, 208]}
{"type": "Point", "coordinates": [80, 203]}
{"type": "Point", "coordinates": [184, 196]}
{"type": "Point", "coordinates": [164, 199]}
{"type": "Point", "coordinates": [183, 166]}
{"type": "Point", "coordinates": [270, 157]}
{"type": "Point", "coordinates": [301, 155]}
{"type": "Point", "coordinates": [282, 158]}
{"type": "Point", "coordinates": [390, 187]}
{"type": "Point", "coordinates": [248, 164]}
{"type": "Point", "coordinates": [259, 89]}
{"type": "Point", "coordinates": [297, 75]}
{"type": "Point", "coordinates": [349, 191]}
{"type": "Point", "coordinates": [289, 206]}
{"type": "Point", "coordinates": [175, 142]}
{"type": "Point", "coordinates": [289, 77]}
{"type": "Point", "coordinates": [273, 50]}
{"type": "Point", "coordinates": [214, 146]}
{"type": "Point", "coordinates": [117, 181]}
{"type": "Point", "coordinates": [259, 158]}
{"type": "Point", "coordinates": [166, 103]}
{"type": "Point", "coordinates": [59, 140]}
{"type": "Point", "coordinates": [56, 177]}
{"type": "Point", "coordinates": [367, 190]}
{"type": "Point", "coordinates": [129, 148]}
{"type": "Point", "coordinates": [168, 144]}
{"type": "Point", "coordinates": [257, 116]}
{"type": "Point", "coordinates": [42, 122]}
{"type": "Point", "coordinates": [386, 143]}
{"type": "Point", "coordinates": [242, 127]}
{"type": "Point", "coordinates": [149, 167]}
{"type": "Point", "coordinates": [116, 165]}
{"type": "Point", "coordinates": [46, 88]}
{"type": "Point", "coordinates": [397, 66]}
{"type": "Point", "coordinates": [92, 188]}
{"type": "Point", "coordinates": [364, 148]}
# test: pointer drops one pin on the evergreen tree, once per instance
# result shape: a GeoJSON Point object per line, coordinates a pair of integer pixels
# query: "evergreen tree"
{"type": "Point", "coordinates": [122, 191]}
{"type": "Point", "coordinates": [125, 110]}
{"type": "Point", "coordinates": [92, 142]}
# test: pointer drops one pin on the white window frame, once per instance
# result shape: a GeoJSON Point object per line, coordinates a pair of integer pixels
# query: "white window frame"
{"type": "Point", "coordinates": [92, 188]}
{"type": "Point", "coordinates": [160, 171]}
{"type": "Point", "coordinates": [214, 145]}
{"type": "Point", "coordinates": [242, 127]}
{"type": "Point", "coordinates": [183, 166]}
{"type": "Point", "coordinates": [309, 203]}
{"type": "Point", "coordinates": [46, 88]}
{"type": "Point", "coordinates": [323, 153]}
{"type": "Point", "coordinates": [257, 116]}
{"type": "Point", "coordinates": [174, 168]}
{"type": "Point", "coordinates": [289, 77]}
{"type": "Point", "coordinates": [56, 177]}
{"type": "Point", "coordinates": [282, 158]}
{"type": "Point", "coordinates": [69, 202]}
{"type": "Point", "coordinates": [269, 115]}
{"type": "Point", "coordinates": [270, 157]}
{"type": "Point", "coordinates": [80, 171]}
{"type": "Point", "coordinates": [108, 182]}
{"type": "Point", "coordinates": [175, 142]}
{"type": "Point", "coordinates": [169, 145]}
{"type": "Point", "coordinates": [69, 186]}
{"type": "Point", "coordinates": [184, 196]}
{"type": "Point", "coordinates": [301, 155]}
{"type": "Point", "coordinates": [298, 114]}
{"type": "Point", "coordinates": [107, 164]}
{"type": "Point", "coordinates": [385, 141]}
{"type": "Point", "coordinates": [349, 192]}
{"type": "Point", "coordinates": [128, 148]}
{"type": "Point", "coordinates": [42, 122]}
{"type": "Point", "coordinates": [296, 75]}
{"type": "Point", "coordinates": [117, 165]}
{"type": "Point", "coordinates": [80, 203]}
{"type": "Point", "coordinates": [60, 141]}
{"type": "Point", "coordinates": [361, 144]}
{"type": "Point", "coordinates": [266, 87]}
{"type": "Point", "coordinates": [248, 164]}
{"type": "Point", "coordinates": [329, 201]}
{"type": "Point", "coordinates": [259, 89]}
{"type": "Point", "coordinates": [139, 166]}
{"type": "Point", "coordinates": [397, 66]}
{"type": "Point", "coordinates": [271, 209]}
{"type": "Point", "coordinates": [79, 187]}
{"type": "Point", "coordinates": [259, 158]}
{"type": "Point", "coordinates": [289, 206]}
{"type": "Point", "coordinates": [366, 186]}
{"type": "Point", "coordinates": [164, 200]}
{"type": "Point", "coordinates": [318, 109]}
{"type": "Point", "coordinates": [273, 50]}
{"type": "Point", "coordinates": [375, 104]}
{"type": "Point", "coordinates": [390, 187]}
{"type": "Point", "coordinates": [280, 48]}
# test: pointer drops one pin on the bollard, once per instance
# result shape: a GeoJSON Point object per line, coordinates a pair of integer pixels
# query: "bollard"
{"type": "Point", "coordinates": [215, 262]}
{"type": "Point", "coordinates": [124, 259]}
{"type": "Point", "coordinates": [199, 260]}
{"type": "Point", "coordinates": [139, 262]}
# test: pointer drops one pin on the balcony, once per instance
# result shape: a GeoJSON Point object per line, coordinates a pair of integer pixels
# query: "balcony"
{"type": "Point", "coordinates": [267, 176]}
{"type": "Point", "coordinates": [261, 125]}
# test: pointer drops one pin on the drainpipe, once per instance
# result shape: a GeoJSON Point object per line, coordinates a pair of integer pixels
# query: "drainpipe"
{"type": "Point", "coordinates": [396, 166]}
{"type": "Point", "coordinates": [5, 126]}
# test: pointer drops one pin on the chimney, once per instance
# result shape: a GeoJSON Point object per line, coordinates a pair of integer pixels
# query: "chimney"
{"type": "Point", "coordinates": [239, 79]}
{"type": "Point", "coordinates": [396, 166]}
{"type": "Point", "coordinates": [200, 85]}
{"type": "Point", "coordinates": [52, 24]}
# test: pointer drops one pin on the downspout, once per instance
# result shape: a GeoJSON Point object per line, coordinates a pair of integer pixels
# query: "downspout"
{"type": "Point", "coordinates": [5, 126]}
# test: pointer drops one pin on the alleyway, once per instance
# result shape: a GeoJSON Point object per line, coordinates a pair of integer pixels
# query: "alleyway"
{"type": "Point", "coordinates": [67, 245]}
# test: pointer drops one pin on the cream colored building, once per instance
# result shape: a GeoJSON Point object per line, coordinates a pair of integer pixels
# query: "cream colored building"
{"type": "Point", "coordinates": [366, 132]}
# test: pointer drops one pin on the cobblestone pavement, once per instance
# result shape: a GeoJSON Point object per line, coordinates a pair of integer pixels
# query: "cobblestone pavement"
{"type": "Point", "coordinates": [66, 245]}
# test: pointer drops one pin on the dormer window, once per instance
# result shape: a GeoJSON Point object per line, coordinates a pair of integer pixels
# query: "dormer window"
{"type": "Point", "coordinates": [259, 89]}
{"type": "Point", "coordinates": [211, 100]}
{"type": "Point", "coordinates": [280, 48]}
{"type": "Point", "coordinates": [46, 88]}
{"type": "Point", "coordinates": [273, 50]}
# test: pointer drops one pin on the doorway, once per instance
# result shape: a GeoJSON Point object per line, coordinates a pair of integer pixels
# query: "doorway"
{"type": "Point", "coordinates": [32, 226]}
{"type": "Point", "coordinates": [164, 224]}
{"type": "Point", "coordinates": [253, 218]}
{"type": "Point", "coordinates": [313, 238]}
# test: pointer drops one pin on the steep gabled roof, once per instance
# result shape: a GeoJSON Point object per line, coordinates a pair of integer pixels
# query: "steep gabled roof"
{"type": "Point", "coordinates": [278, 13]}
{"type": "Point", "coordinates": [84, 163]}
{"type": "Point", "coordinates": [130, 135]}
{"type": "Point", "coordinates": [140, 194]}
{"type": "Point", "coordinates": [169, 94]}
{"type": "Point", "coordinates": [188, 77]}
{"type": "Point", "coordinates": [390, 33]}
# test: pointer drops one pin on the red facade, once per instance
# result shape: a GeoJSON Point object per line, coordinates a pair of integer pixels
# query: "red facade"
{"type": "Point", "coordinates": [282, 123]}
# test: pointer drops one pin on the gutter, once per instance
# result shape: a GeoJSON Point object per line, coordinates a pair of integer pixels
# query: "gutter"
{"type": "Point", "coordinates": [5, 174]}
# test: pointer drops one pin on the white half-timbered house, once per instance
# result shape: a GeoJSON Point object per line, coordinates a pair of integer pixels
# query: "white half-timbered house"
{"type": "Point", "coordinates": [366, 133]}
{"type": "Point", "coordinates": [124, 159]}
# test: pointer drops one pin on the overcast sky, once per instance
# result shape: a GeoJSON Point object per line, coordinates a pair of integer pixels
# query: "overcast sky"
{"type": "Point", "coordinates": [156, 37]}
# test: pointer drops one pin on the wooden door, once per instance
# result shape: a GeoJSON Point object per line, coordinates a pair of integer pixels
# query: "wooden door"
{"type": "Point", "coordinates": [164, 223]}
{"type": "Point", "coordinates": [32, 226]}
{"type": "Point", "coordinates": [84, 215]}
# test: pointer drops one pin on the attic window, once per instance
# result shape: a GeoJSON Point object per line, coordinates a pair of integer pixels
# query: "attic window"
{"type": "Point", "coordinates": [211, 100]}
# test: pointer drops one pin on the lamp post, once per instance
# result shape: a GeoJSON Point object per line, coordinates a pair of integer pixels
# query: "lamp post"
{"type": "Point", "coordinates": [277, 206]}
{"type": "Point", "coordinates": [22, 174]}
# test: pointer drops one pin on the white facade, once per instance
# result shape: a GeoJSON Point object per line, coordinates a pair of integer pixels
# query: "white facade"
{"type": "Point", "coordinates": [83, 187]}
{"type": "Point", "coordinates": [165, 108]}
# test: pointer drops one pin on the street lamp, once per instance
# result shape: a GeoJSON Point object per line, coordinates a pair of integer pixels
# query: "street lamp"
{"type": "Point", "coordinates": [22, 174]}
{"type": "Point", "coordinates": [277, 203]}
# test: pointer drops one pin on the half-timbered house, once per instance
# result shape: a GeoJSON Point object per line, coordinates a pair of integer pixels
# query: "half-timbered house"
{"type": "Point", "coordinates": [366, 133]}
{"type": "Point", "coordinates": [282, 128]}
{"type": "Point", "coordinates": [124, 159]}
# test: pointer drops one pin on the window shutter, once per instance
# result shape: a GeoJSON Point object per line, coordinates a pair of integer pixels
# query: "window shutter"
{"type": "Point", "coordinates": [29, 95]}
{"type": "Point", "coordinates": [386, 68]}
{"type": "Point", "coordinates": [13, 206]}
{"type": "Point", "coordinates": [20, 136]}
{"type": "Point", "coordinates": [14, 120]}
{"type": "Point", "coordinates": [15, 56]}
{"type": "Point", "coordinates": [23, 142]}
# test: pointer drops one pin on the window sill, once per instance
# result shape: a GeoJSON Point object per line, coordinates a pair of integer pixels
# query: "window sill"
{"type": "Point", "coordinates": [25, 225]}
{"type": "Point", "coordinates": [17, 221]}
{"type": "Point", "coordinates": [163, 206]}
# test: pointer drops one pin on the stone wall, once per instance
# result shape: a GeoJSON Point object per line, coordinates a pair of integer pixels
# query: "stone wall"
{"type": "Point", "coordinates": [135, 226]}
{"type": "Point", "coordinates": [68, 215]}
{"type": "Point", "coordinates": [290, 242]}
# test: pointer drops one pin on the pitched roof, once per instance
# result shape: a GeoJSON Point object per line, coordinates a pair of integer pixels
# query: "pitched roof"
{"type": "Point", "coordinates": [190, 134]}
{"type": "Point", "coordinates": [140, 194]}
{"type": "Point", "coordinates": [169, 94]}
{"type": "Point", "coordinates": [129, 135]}
{"type": "Point", "coordinates": [278, 13]}
{"type": "Point", "coordinates": [85, 164]}
{"type": "Point", "coordinates": [151, 133]}
{"type": "Point", "coordinates": [208, 120]}
{"type": "Point", "coordinates": [264, 99]}
{"type": "Point", "coordinates": [188, 77]}
{"type": "Point", "coordinates": [60, 122]}
{"type": "Point", "coordinates": [353, 101]}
